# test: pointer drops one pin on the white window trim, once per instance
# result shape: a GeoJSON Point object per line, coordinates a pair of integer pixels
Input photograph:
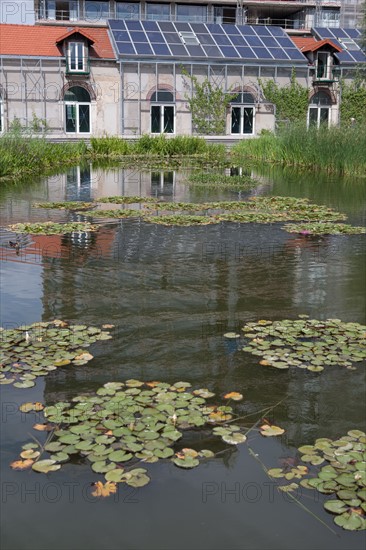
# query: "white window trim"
{"type": "Point", "coordinates": [1, 115]}
{"type": "Point", "coordinates": [77, 104]}
{"type": "Point", "coordinates": [318, 107]}
{"type": "Point", "coordinates": [160, 105]}
{"type": "Point", "coordinates": [242, 106]}
{"type": "Point", "coordinates": [84, 57]}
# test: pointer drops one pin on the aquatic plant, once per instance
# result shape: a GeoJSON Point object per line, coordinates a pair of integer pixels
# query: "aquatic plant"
{"type": "Point", "coordinates": [306, 343]}
{"type": "Point", "coordinates": [126, 199]}
{"type": "Point", "coordinates": [130, 422]}
{"type": "Point", "coordinates": [215, 180]}
{"type": "Point", "coordinates": [118, 213]}
{"type": "Point", "coordinates": [323, 228]}
{"type": "Point", "coordinates": [342, 475]}
{"type": "Point", "coordinates": [51, 228]}
{"type": "Point", "coordinates": [66, 205]}
{"type": "Point", "coordinates": [37, 349]}
{"type": "Point", "coordinates": [182, 220]}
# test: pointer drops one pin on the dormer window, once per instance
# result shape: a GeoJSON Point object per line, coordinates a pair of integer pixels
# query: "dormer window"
{"type": "Point", "coordinates": [77, 58]}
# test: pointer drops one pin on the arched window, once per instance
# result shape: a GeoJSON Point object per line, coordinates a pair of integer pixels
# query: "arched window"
{"type": "Point", "coordinates": [242, 113]}
{"type": "Point", "coordinates": [77, 110]}
{"type": "Point", "coordinates": [162, 114]}
{"type": "Point", "coordinates": [319, 107]}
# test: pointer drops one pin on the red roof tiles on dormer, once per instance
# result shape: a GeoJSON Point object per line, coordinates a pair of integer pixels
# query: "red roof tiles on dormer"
{"type": "Point", "coordinates": [310, 44]}
{"type": "Point", "coordinates": [37, 41]}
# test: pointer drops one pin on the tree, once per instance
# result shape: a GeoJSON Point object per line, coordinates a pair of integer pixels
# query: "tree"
{"type": "Point", "coordinates": [208, 105]}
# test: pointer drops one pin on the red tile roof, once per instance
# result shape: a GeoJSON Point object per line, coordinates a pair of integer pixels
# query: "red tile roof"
{"type": "Point", "coordinates": [75, 30]}
{"type": "Point", "coordinates": [310, 44]}
{"type": "Point", "coordinates": [42, 41]}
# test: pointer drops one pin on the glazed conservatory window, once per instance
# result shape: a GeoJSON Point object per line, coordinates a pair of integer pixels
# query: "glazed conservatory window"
{"type": "Point", "coordinates": [77, 110]}
{"type": "Point", "coordinates": [158, 12]}
{"type": "Point", "coordinates": [96, 11]}
{"type": "Point", "coordinates": [319, 110]}
{"type": "Point", "coordinates": [162, 116]}
{"type": "Point", "coordinates": [77, 57]}
{"type": "Point", "coordinates": [192, 13]}
{"type": "Point", "coordinates": [127, 10]}
{"type": "Point", "coordinates": [242, 114]}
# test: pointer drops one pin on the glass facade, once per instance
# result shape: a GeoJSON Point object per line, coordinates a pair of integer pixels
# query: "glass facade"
{"type": "Point", "coordinates": [191, 13]}
{"type": "Point", "coordinates": [127, 10]}
{"type": "Point", "coordinates": [158, 12]}
{"type": "Point", "coordinates": [96, 11]}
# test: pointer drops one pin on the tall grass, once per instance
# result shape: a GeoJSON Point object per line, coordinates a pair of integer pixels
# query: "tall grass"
{"type": "Point", "coordinates": [20, 156]}
{"type": "Point", "coordinates": [156, 146]}
{"type": "Point", "coordinates": [338, 150]}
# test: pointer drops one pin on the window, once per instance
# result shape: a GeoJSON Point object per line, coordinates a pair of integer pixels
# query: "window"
{"type": "Point", "coordinates": [324, 66]}
{"type": "Point", "coordinates": [189, 38]}
{"type": "Point", "coordinates": [242, 114]}
{"type": "Point", "coordinates": [161, 115]}
{"type": "Point", "coordinates": [192, 13]}
{"type": "Point", "coordinates": [158, 12]}
{"type": "Point", "coordinates": [224, 14]}
{"type": "Point", "coordinates": [319, 107]}
{"type": "Point", "coordinates": [96, 11]}
{"type": "Point", "coordinates": [62, 10]}
{"type": "Point", "coordinates": [127, 10]}
{"type": "Point", "coordinates": [77, 58]}
{"type": "Point", "coordinates": [77, 110]}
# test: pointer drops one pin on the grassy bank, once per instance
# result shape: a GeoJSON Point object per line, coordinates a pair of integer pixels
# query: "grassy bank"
{"type": "Point", "coordinates": [22, 156]}
{"type": "Point", "coordinates": [338, 150]}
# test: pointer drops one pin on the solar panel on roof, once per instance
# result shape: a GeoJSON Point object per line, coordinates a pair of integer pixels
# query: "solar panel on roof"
{"type": "Point", "coordinates": [221, 40]}
{"type": "Point", "coordinates": [150, 25]}
{"type": "Point", "coordinates": [212, 51]}
{"type": "Point", "coordinates": [246, 53]}
{"type": "Point", "coordinates": [133, 25]}
{"type": "Point", "coordinates": [207, 41]}
{"type": "Point", "coordinates": [262, 53]}
{"type": "Point", "coordinates": [161, 49]}
{"type": "Point", "coordinates": [143, 48]}
{"type": "Point", "coordinates": [229, 51]}
{"type": "Point", "coordinates": [262, 31]}
{"type": "Point", "coordinates": [347, 40]}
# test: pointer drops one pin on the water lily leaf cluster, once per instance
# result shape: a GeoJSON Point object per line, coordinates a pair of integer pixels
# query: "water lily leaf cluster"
{"type": "Point", "coordinates": [124, 424]}
{"type": "Point", "coordinates": [209, 180]}
{"type": "Point", "coordinates": [322, 228]}
{"type": "Point", "coordinates": [126, 199]}
{"type": "Point", "coordinates": [181, 220]}
{"type": "Point", "coordinates": [341, 473]}
{"type": "Point", "coordinates": [306, 343]}
{"type": "Point", "coordinates": [37, 349]}
{"type": "Point", "coordinates": [65, 205]}
{"type": "Point", "coordinates": [51, 228]}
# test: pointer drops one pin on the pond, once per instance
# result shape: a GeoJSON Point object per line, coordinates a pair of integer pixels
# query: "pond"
{"type": "Point", "coordinates": [172, 293]}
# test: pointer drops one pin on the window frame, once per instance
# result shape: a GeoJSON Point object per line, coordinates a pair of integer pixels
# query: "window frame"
{"type": "Point", "coordinates": [76, 58]}
{"type": "Point", "coordinates": [77, 105]}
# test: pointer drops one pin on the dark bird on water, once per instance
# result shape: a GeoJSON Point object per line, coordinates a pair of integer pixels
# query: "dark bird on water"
{"type": "Point", "coordinates": [15, 245]}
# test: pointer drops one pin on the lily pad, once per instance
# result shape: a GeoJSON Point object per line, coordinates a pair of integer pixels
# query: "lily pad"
{"type": "Point", "coordinates": [45, 466]}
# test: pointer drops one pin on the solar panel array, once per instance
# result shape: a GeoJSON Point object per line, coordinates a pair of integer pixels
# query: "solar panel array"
{"type": "Point", "coordinates": [347, 40]}
{"type": "Point", "coordinates": [163, 39]}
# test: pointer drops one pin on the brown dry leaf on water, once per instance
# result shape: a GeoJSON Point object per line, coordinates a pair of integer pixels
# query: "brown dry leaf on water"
{"type": "Point", "coordinates": [27, 407]}
{"type": "Point", "coordinates": [21, 464]}
{"type": "Point", "coordinates": [105, 490]}
{"type": "Point", "coordinates": [234, 395]}
{"type": "Point", "coordinates": [43, 427]}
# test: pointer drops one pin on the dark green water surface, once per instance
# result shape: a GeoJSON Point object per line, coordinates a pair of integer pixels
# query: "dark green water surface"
{"type": "Point", "coordinates": [172, 293]}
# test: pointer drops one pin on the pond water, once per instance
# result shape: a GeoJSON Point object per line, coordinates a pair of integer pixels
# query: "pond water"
{"type": "Point", "coordinates": [172, 292]}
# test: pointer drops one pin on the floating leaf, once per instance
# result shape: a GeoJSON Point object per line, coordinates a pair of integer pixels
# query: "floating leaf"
{"type": "Point", "coordinates": [270, 431]}
{"type": "Point", "coordinates": [21, 464]}
{"type": "Point", "coordinates": [27, 407]}
{"type": "Point", "coordinates": [104, 490]}
{"type": "Point", "coordinates": [235, 396]}
{"type": "Point", "coordinates": [45, 466]}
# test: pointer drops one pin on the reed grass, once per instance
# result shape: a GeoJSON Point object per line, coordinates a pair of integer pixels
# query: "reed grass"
{"type": "Point", "coordinates": [21, 156]}
{"type": "Point", "coordinates": [336, 150]}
